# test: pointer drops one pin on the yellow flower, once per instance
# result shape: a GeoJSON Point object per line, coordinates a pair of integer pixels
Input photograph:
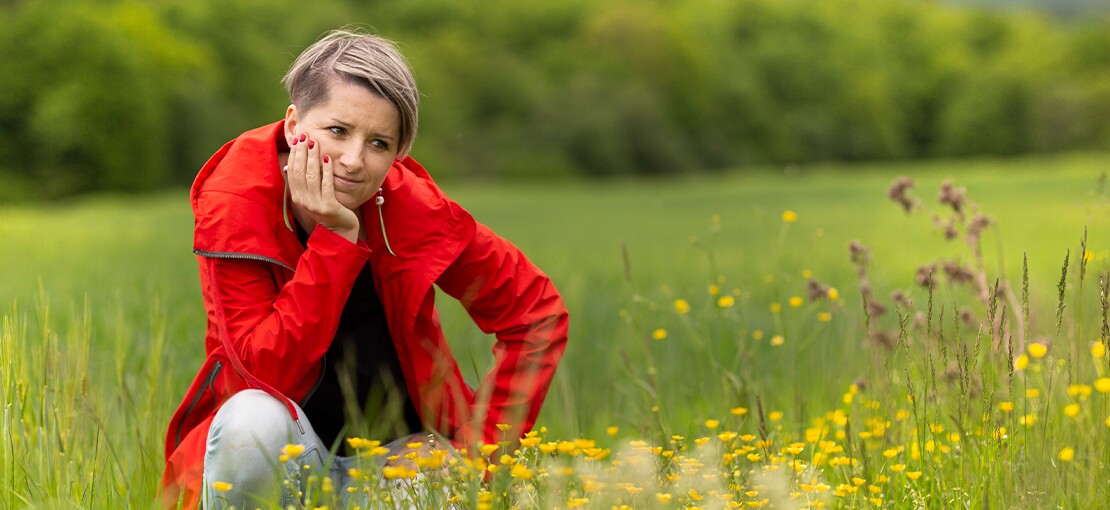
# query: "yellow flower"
{"type": "Point", "coordinates": [487, 449]}
{"type": "Point", "coordinates": [898, 468]}
{"type": "Point", "coordinates": [519, 471]}
{"type": "Point", "coordinates": [1071, 410]}
{"type": "Point", "coordinates": [913, 475]}
{"type": "Point", "coordinates": [712, 424]}
{"type": "Point", "coordinates": [726, 301]}
{"type": "Point", "coordinates": [1021, 363]}
{"type": "Point", "coordinates": [795, 301]}
{"type": "Point", "coordinates": [832, 293]}
{"type": "Point", "coordinates": [1037, 350]}
{"type": "Point", "coordinates": [776, 308]}
{"type": "Point", "coordinates": [1028, 420]}
{"type": "Point", "coordinates": [292, 450]}
{"type": "Point", "coordinates": [777, 340]}
{"type": "Point", "coordinates": [221, 486]}
{"type": "Point", "coordinates": [789, 216]}
{"type": "Point", "coordinates": [1102, 384]}
{"type": "Point", "coordinates": [1107, 422]}
{"type": "Point", "coordinates": [693, 493]}
{"type": "Point", "coordinates": [774, 415]}
{"type": "Point", "coordinates": [663, 497]}
{"type": "Point", "coordinates": [612, 431]}
{"type": "Point", "coordinates": [659, 334]}
{"type": "Point", "coordinates": [757, 335]}
{"type": "Point", "coordinates": [1032, 393]}
{"type": "Point", "coordinates": [714, 290]}
{"type": "Point", "coordinates": [681, 306]}
{"type": "Point", "coordinates": [529, 442]}
{"type": "Point", "coordinates": [1066, 455]}
{"type": "Point", "coordinates": [824, 316]}
{"type": "Point", "coordinates": [503, 427]}
{"type": "Point", "coordinates": [741, 411]}
{"type": "Point", "coordinates": [1006, 406]}
{"type": "Point", "coordinates": [1098, 349]}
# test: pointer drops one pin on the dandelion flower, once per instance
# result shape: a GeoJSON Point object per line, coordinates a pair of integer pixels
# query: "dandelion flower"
{"type": "Point", "coordinates": [1102, 384]}
{"type": "Point", "coordinates": [221, 486]}
{"type": "Point", "coordinates": [1071, 410]}
{"type": "Point", "coordinates": [1098, 349]}
{"type": "Point", "coordinates": [659, 334]}
{"type": "Point", "coordinates": [1037, 350]}
{"type": "Point", "coordinates": [789, 216]}
{"type": "Point", "coordinates": [1066, 454]}
{"type": "Point", "coordinates": [795, 301]}
{"type": "Point", "coordinates": [726, 301]}
{"type": "Point", "coordinates": [681, 306]}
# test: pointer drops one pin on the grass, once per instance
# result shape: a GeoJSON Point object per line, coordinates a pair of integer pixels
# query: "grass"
{"type": "Point", "coordinates": [102, 328]}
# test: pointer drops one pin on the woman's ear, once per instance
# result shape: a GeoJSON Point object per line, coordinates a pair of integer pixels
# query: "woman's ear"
{"type": "Point", "coordinates": [291, 115]}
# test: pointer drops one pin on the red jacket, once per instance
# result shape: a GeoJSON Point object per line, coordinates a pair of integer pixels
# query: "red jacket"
{"type": "Point", "coordinates": [280, 302]}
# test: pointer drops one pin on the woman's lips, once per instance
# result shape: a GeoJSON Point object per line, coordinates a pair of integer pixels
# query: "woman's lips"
{"type": "Point", "coordinates": [345, 181]}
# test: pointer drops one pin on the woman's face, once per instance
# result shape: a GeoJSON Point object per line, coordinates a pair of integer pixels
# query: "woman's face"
{"type": "Point", "coordinates": [358, 130]}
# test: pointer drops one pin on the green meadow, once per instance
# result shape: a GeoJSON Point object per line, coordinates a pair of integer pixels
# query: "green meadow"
{"type": "Point", "coordinates": [690, 319]}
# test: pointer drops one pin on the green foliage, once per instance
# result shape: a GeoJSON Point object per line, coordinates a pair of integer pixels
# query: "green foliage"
{"type": "Point", "coordinates": [125, 95]}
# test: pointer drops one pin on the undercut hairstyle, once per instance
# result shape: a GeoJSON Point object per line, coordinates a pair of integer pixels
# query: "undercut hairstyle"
{"type": "Point", "coordinates": [356, 58]}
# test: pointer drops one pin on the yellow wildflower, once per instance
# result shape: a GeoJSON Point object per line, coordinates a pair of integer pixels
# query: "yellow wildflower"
{"type": "Point", "coordinates": [663, 497]}
{"type": "Point", "coordinates": [519, 471]}
{"type": "Point", "coordinates": [740, 411]}
{"type": "Point", "coordinates": [1006, 406]}
{"type": "Point", "coordinates": [1066, 454]}
{"type": "Point", "coordinates": [659, 334]}
{"type": "Point", "coordinates": [832, 294]}
{"type": "Point", "coordinates": [1098, 349]}
{"type": "Point", "coordinates": [712, 424]}
{"type": "Point", "coordinates": [776, 308]}
{"type": "Point", "coordinates": [774, 415]}
{"type": "Point", "coordinates": [488, 449]}
{"type": "Point", "coordinates": [612, 431]}
{"type": "Point", "coordinates": [1037, 350]}
{"type": "Point", "coordinates": [898, 468]}
{"type": "Point", "coordinates": [824, 317]}
{"type": "Point", "coordinates": [1102, 384]}
{"type": "Point", "coordinates": [777, 340]}
{"type": "Point", "coordinates": [1071, 410]}
{"type": "Point", "coordinates": [221, 486]}
{"type": "Point", "coordinates": [1021, 362]}
{"type": "Point", "coordinates": [789, 216]}
{"type": "Point", "coordinates": [529, 442]}
{"type": "Point", "coordinates": [757, 335]}
{"type": "Point", "coordinates": [795, 301]}
{"type": "Point", "coordinates": [913, 475]}
{"type": "Point", "coordinates": [1032, 393]}
{"type": "Point", "coordinates": [693, 493]}
{"type": "Point", "coordinates": [726, 301]}
{"type": "Point", "coordinates": [714, 290]}
{"type": "Point", "coordinates": [681, 306]}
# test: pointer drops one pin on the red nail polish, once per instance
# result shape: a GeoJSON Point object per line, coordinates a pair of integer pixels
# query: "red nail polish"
{"type": "Point", "coordinates": [303, 137]}
{"type": "Point", "coordinates": [311, 143]}
{"type": "Point", "coordinates": [294, 142]}
{"type": "Point", "coordinates": [326, 159]}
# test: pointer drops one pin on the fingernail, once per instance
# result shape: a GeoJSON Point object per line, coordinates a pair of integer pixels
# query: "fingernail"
{"type": "Point", "coordinates": [326, 159]}
{"type": "Point", "coordinates": [294, 142]}
{"type": "Point", "coordinates": [311, 143]}
{"type": "Point", "coordinates": [302, 138]}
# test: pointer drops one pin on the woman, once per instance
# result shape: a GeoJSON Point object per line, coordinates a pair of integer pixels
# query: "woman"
{"type": "Point", "coordinates": [319, 241]}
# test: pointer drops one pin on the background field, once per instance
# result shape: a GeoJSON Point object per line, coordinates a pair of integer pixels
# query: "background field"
{"type": "Point", "coordinates": [102, 309]}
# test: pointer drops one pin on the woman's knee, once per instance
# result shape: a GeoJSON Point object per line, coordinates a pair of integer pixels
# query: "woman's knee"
{"type": "Point", "coordinates": [253, 419]}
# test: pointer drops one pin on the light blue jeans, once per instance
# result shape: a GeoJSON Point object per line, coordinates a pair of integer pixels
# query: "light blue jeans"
{"type": "Point", "coordinates": [245, 442]}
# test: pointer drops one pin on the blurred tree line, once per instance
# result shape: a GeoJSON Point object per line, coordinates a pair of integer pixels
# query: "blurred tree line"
{"type": "Point", "coordinates": [128, 95]}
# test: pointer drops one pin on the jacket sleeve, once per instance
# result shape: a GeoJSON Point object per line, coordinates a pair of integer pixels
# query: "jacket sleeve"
{"type": "Point", "coordinates": [281, 331]}
{"type": "Point", "coordinates": [508, 296]}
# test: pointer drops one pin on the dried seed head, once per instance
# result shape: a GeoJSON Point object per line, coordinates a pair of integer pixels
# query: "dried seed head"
{"type": "Point", "coordinates": [899, 192]}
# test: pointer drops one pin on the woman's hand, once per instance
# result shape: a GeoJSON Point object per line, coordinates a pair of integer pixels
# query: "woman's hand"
{"type": "Point", "coordinates": [312, 189]}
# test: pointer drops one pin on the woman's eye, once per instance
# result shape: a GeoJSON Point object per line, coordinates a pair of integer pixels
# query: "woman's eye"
{"type": "Point", "coordinates": [336, 130]}
{"type": "Point", "coordinates": [380, 144]}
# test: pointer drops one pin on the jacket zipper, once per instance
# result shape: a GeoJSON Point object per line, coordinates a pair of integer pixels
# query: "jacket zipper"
{"type": "Point", "coordinates": [243, 256]}
{"type": "Point", "coordinates": [216, 367]}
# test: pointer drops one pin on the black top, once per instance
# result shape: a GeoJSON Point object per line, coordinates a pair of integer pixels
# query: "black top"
{"type": "Point", "coordinates": [362, 386]}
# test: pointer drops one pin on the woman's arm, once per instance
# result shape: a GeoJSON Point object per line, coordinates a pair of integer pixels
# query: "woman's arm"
{"type": "Point", "coordinates": [508, 296]}
{"type": "Point", "coordinates": [279, 330]}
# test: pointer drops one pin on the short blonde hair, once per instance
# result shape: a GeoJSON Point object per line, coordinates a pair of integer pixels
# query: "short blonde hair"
{"type": "Point", "coordinates": [359, 58]}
